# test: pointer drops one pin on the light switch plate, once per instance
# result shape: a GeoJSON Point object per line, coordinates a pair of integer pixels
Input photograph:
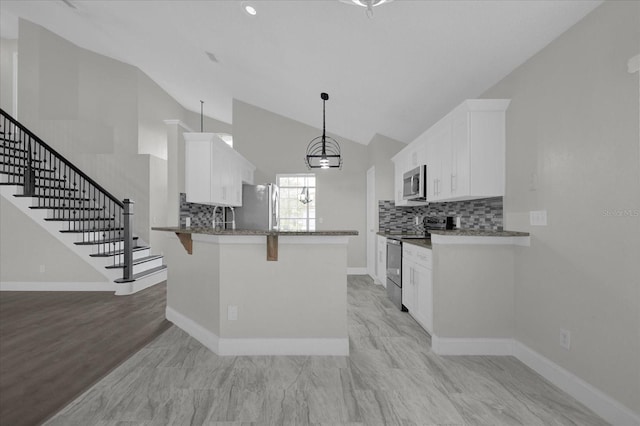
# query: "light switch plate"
{"type": "Point", "coordinates": [538, 218]}
{"type": "Point", "coordinates": [232, 313]}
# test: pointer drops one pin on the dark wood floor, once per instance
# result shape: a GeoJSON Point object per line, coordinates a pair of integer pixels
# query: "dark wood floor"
{"type": "Point", "coordinates": [54, 345]}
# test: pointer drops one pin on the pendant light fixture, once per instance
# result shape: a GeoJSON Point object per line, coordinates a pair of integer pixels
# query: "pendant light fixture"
{"type": "Point", "coordinates": [323, 152]}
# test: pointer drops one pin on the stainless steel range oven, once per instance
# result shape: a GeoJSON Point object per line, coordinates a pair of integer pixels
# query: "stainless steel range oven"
{"type": "Point", "coordinates": [394, 271]}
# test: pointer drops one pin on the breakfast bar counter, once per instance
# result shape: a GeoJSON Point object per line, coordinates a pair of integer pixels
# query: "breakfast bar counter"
{"type": "Point", "coordinates": [225, 290]}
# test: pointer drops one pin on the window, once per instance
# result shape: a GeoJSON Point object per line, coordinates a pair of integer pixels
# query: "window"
{"type": "Point", "coordinates": [297, 202]}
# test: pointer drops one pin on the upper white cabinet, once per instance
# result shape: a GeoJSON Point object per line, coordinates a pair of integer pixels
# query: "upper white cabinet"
{"type": "Point", "coordinates": [404, 161]}
{"type": "Point", "coordinates": [478, 143]}
{"type": "Point", "coordinates": [464, 153]}
{"type": "Point", "coordinates": [214, 172]}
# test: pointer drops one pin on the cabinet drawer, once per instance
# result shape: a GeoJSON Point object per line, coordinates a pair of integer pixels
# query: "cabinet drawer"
{"type": "Point", "coordinates": [424, 257]}
{"type": "Point", "coordinates": [409, 252]}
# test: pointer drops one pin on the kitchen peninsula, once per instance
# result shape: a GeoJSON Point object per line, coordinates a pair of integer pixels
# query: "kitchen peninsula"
{"type": "Point", "coordinates": [245, 292]}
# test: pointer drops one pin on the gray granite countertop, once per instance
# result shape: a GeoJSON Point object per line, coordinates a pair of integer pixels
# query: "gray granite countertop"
{"type": "Point", "coordinates": [238, 232]}
{"type": "Point", "coordinates": [477, 233]}
{"type": "Point", "coordinates": [410, 238]}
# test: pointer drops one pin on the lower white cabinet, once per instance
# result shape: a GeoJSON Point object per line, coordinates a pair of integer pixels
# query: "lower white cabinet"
{"type": "Point", "coordinates": [417, 284]}
{"type": "Point", "coordinates": [381, 259]}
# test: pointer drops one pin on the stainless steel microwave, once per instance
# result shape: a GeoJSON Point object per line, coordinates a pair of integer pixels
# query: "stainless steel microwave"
{"type": "Point", "coordinates": [414, 185]}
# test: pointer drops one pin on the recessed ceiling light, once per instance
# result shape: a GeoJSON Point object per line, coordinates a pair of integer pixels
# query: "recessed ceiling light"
{"type": "Point", "coordinates": [250, 9]}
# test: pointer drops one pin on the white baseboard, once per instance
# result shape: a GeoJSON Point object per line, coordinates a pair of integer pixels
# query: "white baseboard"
{"type": "Point", "coordinates": [193, 329]}
{"type": "Point", "coordinates": [602, 404]}
{"type": "Point", "coordinates": [124, 289]}
{"type": "Point", "coordinates": [464, 346]}
{"type": "Point", "coordinates": [357, 271]}
{"type": "Point", "coordinates": [258, 346]}
{"type": "Point", "coordinates": [56, 286]}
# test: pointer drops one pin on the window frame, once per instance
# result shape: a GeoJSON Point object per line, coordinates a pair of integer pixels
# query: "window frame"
{"type": "Point", "coordinates": [307, 207]}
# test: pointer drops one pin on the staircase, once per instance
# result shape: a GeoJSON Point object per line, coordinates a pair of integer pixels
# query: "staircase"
{"type": "Point", "coordinates": [76, 210]}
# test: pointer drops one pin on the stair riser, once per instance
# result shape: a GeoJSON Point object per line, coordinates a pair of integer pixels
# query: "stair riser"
{"type": "Point", "coordinates": [147, 265]}
{"type": "Point", "coordinates": [106, 247]}
{"type": "Point", "coordinates": [115, 260]}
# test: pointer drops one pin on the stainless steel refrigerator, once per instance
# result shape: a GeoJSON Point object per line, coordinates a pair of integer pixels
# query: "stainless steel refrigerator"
{"type": "Point", "coordinates": [260, 205]}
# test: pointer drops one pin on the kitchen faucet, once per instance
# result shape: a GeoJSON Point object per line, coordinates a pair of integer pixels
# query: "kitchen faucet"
{"type": "Point", "coordinates": [233, 218]}
{"type": "Point", "coordinates": [223, 223]}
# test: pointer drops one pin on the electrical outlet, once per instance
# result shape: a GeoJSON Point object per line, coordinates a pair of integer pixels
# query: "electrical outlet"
{"type": "Point", "coordinates": [565, 338]}
{"type": "Point", "coordinates": [232, 313]}
{"type": "Point", "coordinates": [538, 218]}
{"type": "Point", "coordinates": [42, 269]}
{"type": "Point", "coordinates": [188, 222]}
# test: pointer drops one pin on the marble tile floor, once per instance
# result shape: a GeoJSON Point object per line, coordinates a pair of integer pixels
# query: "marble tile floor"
{"type": "Point", "coordinates": [390, 378]}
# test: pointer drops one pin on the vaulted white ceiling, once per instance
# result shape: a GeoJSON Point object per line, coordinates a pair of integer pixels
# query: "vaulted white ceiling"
{"type": "Point", "coordinates": [394, 74]}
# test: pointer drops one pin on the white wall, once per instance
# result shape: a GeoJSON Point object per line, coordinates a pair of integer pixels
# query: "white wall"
{"type": "Point", "coordinates": [32, 247]}
{"type": "Point", "coordinates": [7, 50]}
{"type": "Point", "coordinates": [573, 122]}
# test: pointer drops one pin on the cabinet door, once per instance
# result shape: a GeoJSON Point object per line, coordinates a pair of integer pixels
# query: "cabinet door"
{"type": "Point", "coordinates": [197, 171]}
{"type": "Point", "coordinates": [446, 173]}
{"type": "Point", "coordinates": [460, 174]}
{"type": "Point", "coordinates": [434, 168]}
{"type": "Point", "coordinates": [218, 175]}
{"type": "Point", "coordinates": [399, 169]}
{"type": "Point", "coordinates": [408, 288]}
{"type": "Point", "coordinates": [423, 304]}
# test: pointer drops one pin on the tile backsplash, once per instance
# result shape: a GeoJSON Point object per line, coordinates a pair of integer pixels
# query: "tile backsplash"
{"type": "Point", "coordinates": [483, 214]}
{"type": "Point", "coordinates": [201, 214]}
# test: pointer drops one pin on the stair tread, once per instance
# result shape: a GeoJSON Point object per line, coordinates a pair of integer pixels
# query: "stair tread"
{"type": "Point", "coordinates": [53, 196]}
{"type": "Point", "coordinates": [143, 274]}
{"type": "Point", "coordinates": [57, 188]}
{"type": "Point", "coordinates": [5, 172]}
{"type": "Point", "coordinates": [117, 252]}
{"type": "Point", "coordinates": [80, 231]}
{"type": "Point", "coordinates": [137, 261]}
{"type": "Point", "coordinates": [77, 219]}
{"type": "Point", "coordinates": [94, 242]}
{"type": "Point", "coordinates": [66, 208]}
{"type": "Point", "coordinates": [102, 241]}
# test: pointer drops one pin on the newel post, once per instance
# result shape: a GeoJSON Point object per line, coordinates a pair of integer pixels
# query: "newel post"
{"type": "Point", "coordinates": [127, 274]}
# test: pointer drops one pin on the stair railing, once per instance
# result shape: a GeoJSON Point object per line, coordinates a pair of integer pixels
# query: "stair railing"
{"type": "Point", "coordinates": [67, 193]}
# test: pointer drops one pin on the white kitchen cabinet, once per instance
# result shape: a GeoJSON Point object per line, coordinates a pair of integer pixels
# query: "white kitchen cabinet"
{"type": "Point", "coordinates": [478, 149]}
{"type": "Point", "coordinates": [381, 259]}
{"type": "Point", "coordinates": [438, 161]}
{"type": "Point", "coordinates": [404, 161]}
{"type": "Point", "coordinates": [214, 172]}
{"type": "Point", "coordinates": [464, 153]}
{"type": "Point", "coordinates": [417, 284]}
